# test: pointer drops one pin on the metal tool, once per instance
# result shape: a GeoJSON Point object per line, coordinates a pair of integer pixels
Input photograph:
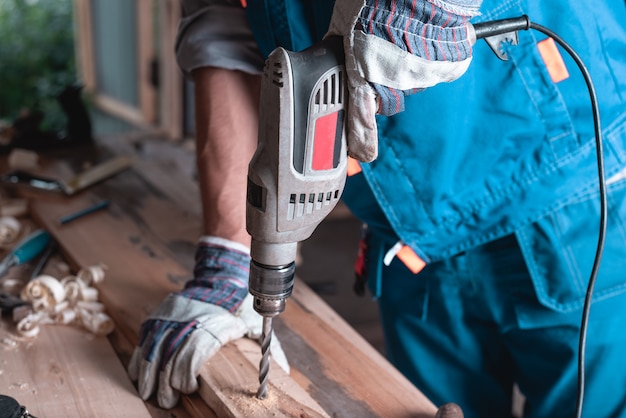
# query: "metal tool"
{"type": "Point", "coordinates": [103, 204]}
{"type": "Point", "coordinates": [43, 259]}
{"type": "Point", "coordinates": [298, 172]}
{"type": "Point", "coordinates": [74, 185]}
{"type": "Point", "coordinates": [9, 302]}
{"type": "Point", "coordinates": [27, 249]}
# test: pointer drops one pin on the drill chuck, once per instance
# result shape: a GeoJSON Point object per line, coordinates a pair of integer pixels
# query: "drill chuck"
{"type": "Point", "coordinates": [271, 286]}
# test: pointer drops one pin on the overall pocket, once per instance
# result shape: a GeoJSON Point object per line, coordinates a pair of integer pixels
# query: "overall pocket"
{"type": "Point", "coordinates": [560, 248]}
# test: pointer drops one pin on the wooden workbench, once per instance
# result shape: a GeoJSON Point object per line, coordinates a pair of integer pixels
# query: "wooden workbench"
{"type": "Point", "coordinates": [146, 238]}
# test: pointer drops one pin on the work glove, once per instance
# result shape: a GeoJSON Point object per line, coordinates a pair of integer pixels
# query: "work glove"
{"type": "Point", "coordinates": [192, 324]}
{"type": "Point", "coordinates": [394, 48]}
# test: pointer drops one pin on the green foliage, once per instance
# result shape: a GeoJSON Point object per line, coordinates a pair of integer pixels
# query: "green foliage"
{"type": "Point", "coordinates": [36, 57]}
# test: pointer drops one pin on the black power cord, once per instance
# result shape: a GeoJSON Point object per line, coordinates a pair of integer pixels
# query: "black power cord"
{"type": "Point", "coordinates": [498, 27]}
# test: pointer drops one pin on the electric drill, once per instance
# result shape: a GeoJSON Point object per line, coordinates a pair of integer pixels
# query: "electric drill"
{"type": "Point", "coordinates": [298, 171]}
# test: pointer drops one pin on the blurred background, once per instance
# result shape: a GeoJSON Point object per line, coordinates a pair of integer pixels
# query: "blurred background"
{"type": "Point", "coordinates": [120, 51]}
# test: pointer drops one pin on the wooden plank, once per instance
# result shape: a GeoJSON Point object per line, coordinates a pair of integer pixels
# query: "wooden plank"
{"type": "Point", "coordinates": [59, 372]}
{"type": "Point", "coordinates": [196, 407]}
{"type": "Point", "coordinates": [66, 372]}
{"type": "Point", "coordinates": [140, 268]}
{"type": "Point", "coordinates": [230, 381]}
{"type": "Point", "coordinates": [141, 237]}
{"type": "Point", "coordinates": [382, 391]}
{"type": "Point", "coordinates": [139, 274]}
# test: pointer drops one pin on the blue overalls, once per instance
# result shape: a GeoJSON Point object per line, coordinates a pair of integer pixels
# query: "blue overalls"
{"type": "Point", "coordinates": [492, 180]}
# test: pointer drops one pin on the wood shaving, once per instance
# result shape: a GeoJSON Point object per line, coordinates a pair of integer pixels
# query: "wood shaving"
{"type": "Point", "coordinates": [91, 275]}
{"type": "Point", "coordinates": [71, 300]}
{"type": "Point", "coordinates": [10, 229]}
{"type": "Point", "coordinates": [44, 292]}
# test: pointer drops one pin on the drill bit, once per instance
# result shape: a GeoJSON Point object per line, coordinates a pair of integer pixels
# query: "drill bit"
{"type": "Point", "coordinates": [264, 365]}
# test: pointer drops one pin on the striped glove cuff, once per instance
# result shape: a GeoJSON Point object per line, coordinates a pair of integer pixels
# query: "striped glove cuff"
{"type": "Point", "coordinates": [221, 273]}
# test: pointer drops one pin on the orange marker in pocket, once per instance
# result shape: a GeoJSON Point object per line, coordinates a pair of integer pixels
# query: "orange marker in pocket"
{"type": "Point", "coordinates": [553, 60]}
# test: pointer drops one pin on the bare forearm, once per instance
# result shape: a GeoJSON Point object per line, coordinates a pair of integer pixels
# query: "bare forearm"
{"type": "Point", "coordinates": [226, 135]}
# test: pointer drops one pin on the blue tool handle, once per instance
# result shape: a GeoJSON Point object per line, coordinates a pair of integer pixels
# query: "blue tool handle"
{"type": "Point", "coordinates": [30, 247]}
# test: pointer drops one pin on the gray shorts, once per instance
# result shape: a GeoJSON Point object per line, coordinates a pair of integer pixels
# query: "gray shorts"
{"type": "Point", "coordinates": [216, 33]}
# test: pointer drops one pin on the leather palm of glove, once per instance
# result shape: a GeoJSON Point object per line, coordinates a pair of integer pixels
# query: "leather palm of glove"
{"type": "Point", "coordinates": [394, 48]}
{"type": "Point", "coordinates": [190, 326]}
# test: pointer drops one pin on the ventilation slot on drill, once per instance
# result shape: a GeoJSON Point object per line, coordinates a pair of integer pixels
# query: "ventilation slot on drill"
{"type": "Point", "coordinates": [276, 74]}
{"type": "Point", "coordinates": [330, 93]}
{"type": "Point", "coordinates": [301, 204]}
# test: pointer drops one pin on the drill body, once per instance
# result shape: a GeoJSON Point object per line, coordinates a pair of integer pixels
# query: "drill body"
{"type": "Point", "coordinates": [298, 171]}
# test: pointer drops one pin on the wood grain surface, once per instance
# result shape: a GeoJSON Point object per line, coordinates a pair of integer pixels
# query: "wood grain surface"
{"type": "Point", "coordinates": [146, 238]}
{"type": "Point", "coordinates": [67, 372]}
